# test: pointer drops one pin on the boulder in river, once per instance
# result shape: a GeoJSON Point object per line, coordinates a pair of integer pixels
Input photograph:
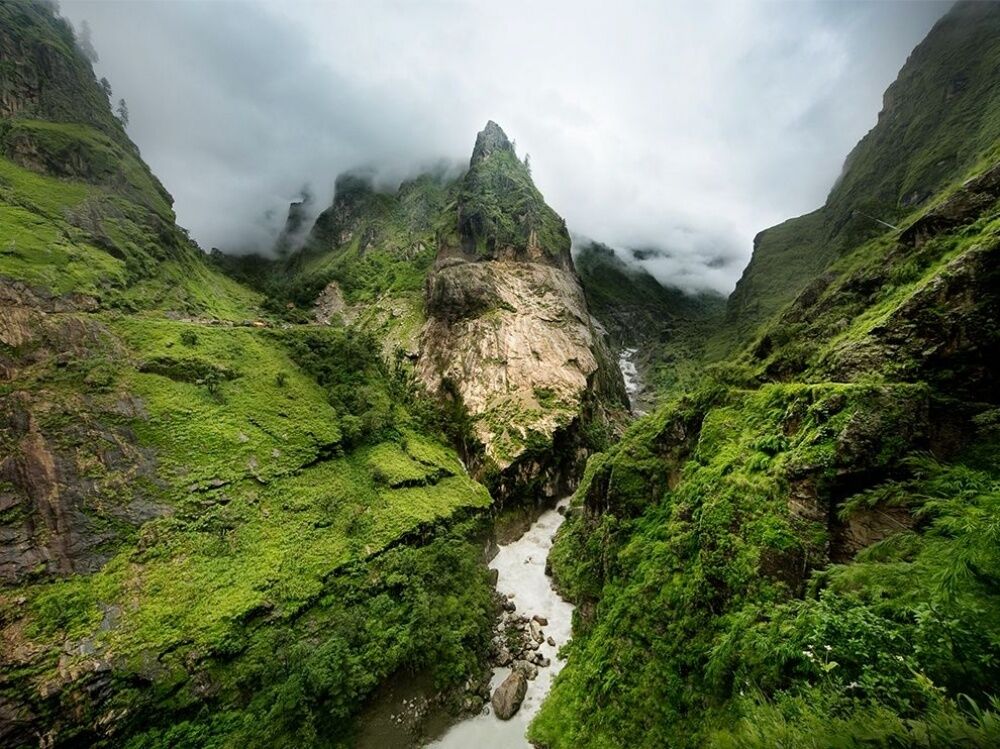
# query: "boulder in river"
{"type": "Point", "coordinates": [504, 658]}
{"type": "Point", "coordinates": [536, 632]}
{"type": "Point", "coordinates": [508, 696]}
{"type": "Point", "coordinates": [530, 670]}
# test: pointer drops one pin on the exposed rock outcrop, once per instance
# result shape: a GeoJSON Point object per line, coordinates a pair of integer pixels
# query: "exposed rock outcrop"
{"type": "Point", "coordinates": [329, 304]}
{"type": "Point", "coordinates": [68, 473]}
{"type": "Point", "coordinates": [508, 333]}
{"type": "Point", "coordinates": [514, 341]}
{"type": "Point", "coordinates": [508, 696]}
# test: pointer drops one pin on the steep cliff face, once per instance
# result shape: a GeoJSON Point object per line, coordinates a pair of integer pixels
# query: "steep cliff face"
{"type": "Point", "coordinates": [936, 119]}
{"type": "Point", "coordinates": [73, 479]}
{"type": "Point", "coordinates": [43, 75]}
{"type": "Point", "coordinates": [801, 551]}
{"type": "Point", "coordinates": [508, 332]}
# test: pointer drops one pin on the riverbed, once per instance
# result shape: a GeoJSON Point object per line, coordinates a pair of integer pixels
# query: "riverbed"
{"type": "Point", "coordinates": [630, 375]}
{"type": "Point", "coordinates": [520, 567]}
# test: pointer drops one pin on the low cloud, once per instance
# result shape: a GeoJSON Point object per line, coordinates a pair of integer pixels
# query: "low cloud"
{"type": "Point", "coordinates": [687, 127]}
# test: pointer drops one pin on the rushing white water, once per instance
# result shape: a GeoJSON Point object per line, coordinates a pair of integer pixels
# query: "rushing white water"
{"type": "Point", "coordinates": [626, 363]}
{"type": "Point", "coordinates": [521, 570]}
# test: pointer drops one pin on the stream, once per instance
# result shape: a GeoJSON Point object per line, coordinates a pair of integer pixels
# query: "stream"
{"type": "Point", "coordinates": [520, 566]}
{"type": "Point", "coordinates": [630, 375]}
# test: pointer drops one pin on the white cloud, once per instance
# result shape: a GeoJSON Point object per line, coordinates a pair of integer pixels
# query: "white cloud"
{"type": "Point", "coordinates": [685, 126]}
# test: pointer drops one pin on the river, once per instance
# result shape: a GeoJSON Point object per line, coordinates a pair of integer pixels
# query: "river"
{"type": "Point", "coordinates": [520, 567]}
{"type": "Point", "coordinates": [630, 375]}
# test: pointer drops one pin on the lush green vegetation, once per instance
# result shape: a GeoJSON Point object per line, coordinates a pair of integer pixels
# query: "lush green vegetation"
{"type": "Point", "coordinates": [938, 118]}
{"type": "Point", "coordinates": [716, 605]}
{"type": "Point", "coordinates": [372, 242]}
{"type": "Point", "coordinates": [265, 522]}
{"type": "Point", "coordinates": [40, 40]}
{"type": "Point", "coordinates": [80, 151]}
{"type": "Point", "coordinates": [287, 468]}
{"type": "Point", "coordinates": [64, 235]}
{"type": "Point", "coordinates": [413, 608]}
{"type": "Point", "coordinates": [803, 551]}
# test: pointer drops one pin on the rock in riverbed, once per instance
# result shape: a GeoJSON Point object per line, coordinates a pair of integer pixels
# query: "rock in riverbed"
{"type": "Point", "coordinates": [508, 696]}
{"type": "Point", "coordinates": [536, 631]}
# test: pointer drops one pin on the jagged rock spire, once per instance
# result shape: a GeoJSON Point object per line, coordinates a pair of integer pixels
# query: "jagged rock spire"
{"type": "Point", "coordinates": [491, 139]}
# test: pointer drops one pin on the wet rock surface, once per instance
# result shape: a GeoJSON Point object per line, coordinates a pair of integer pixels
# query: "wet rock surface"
{"type": "Point", "coordinates": [508, 696]}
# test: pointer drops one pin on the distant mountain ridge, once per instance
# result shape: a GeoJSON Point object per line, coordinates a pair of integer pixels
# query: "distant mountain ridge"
{"type": "Point", "coordinates": [937, 117]}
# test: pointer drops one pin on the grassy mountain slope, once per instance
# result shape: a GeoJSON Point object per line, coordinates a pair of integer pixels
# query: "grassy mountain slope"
{"type": "Point", "coordinates": [81, 211]}
{"type": "Point", "coordinates": [937, 118]}
{"type": "Point", "coordinates": [803, 550]}
{"type": "Point", "coordinates": [803, 553]}
{"type": "Point", "coordinates": [214, 530]}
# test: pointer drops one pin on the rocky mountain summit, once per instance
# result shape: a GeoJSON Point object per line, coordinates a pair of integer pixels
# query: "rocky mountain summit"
{"type": "Point", "coordinates": [470, 278]}
{"type": "Point", "coordinates": [509, 333]}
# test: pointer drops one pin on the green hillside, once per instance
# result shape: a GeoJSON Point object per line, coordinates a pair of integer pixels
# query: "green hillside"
{"type": "Point", "coordinates": [802, 550]}
{"type": "Point", "coordinates": [217, 530]}
{"type": "Point", "coordinates": [937, 119]}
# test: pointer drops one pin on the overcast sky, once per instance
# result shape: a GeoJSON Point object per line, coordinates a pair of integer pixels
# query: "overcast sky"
{"type": "Point", "coordinates": [686, 126]}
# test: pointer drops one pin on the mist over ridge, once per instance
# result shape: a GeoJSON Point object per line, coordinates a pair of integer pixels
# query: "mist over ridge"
{"type": "Point", "coordinates": [647, 128]}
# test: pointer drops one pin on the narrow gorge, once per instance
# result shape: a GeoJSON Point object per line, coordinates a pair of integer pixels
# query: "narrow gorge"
{"type": "Point", "coordinates": [414, 465]}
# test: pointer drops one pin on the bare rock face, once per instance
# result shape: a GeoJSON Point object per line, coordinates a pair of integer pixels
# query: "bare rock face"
{"type": "Point", "coordinates": [491, 139]}
{"type": "Point", "coordinates": [508, 696]}
{"type": "Point", "coordinates": [330, 304]}
{"type": "Point", "coordinates": [515, 342]}
{"type": "Point", "coordinates": [508, 335]}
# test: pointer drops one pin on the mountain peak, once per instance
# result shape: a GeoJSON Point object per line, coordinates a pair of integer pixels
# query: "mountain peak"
{"type": "Point", "coordinates": [490, 139]}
